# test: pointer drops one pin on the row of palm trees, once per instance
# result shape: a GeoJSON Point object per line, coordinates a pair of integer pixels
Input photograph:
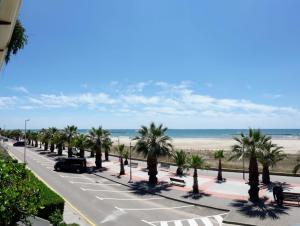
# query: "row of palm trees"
{"type": "Point", "coordinates": [153, 143]}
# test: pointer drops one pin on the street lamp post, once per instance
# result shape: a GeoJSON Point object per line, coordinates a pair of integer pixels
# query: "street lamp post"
{"type": "Point", "coordinates": [25, 144]}
{"type": "Point", "coordinates": [130, 170]}
{"type": "Point", "coordinates": [243, 162]}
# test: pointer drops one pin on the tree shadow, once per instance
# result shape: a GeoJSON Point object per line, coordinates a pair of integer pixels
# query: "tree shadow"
{"type": "Point", "coordinates": [143, 187]}
{"type": "Point", "coordinates": [191, 195]}
{"type": "Point", "coordinates": [220, 181]}
{"type": "Point", "coordinates": [269, 187]}
{"type": "Point", "coordinates": [259, 209]}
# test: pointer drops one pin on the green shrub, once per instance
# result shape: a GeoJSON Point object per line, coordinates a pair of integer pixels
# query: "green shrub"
{"type": "Point", "coordinates": [50, 201]}
{"type": "Point", "coordinates": [19, 193]}
{"type": "Point", "coordinates": [56, 218]}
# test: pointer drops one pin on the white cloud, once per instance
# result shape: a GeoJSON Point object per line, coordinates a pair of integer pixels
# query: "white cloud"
{"type": "Point", "coordinates": [20, 89]}
{"type": "Point", "coordinates": [161, 101]}
{"type": "Point", "coordinates": [7, 102]}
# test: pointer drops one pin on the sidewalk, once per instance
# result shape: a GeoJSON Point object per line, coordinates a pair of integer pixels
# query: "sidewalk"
{"type": "Point", "coordinates": [231, 195]}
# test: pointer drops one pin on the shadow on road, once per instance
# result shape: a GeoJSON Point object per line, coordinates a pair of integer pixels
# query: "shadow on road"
{"type": "Point", "coordinates": [191, 195]}
{"type": "Point", "coordinates": [259, 210]}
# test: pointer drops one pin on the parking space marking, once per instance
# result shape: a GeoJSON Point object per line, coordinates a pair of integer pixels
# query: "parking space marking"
{"type": "Point", "coordinates": [112, 191]}
{"type": "Point", "coordinates": [95, 183]}
{"type": "Point", "coordinates": [129, 199]}
{"type": "Point", "coordinates": [151, 209]}
{"type": "Point", "coordinates": [74, 177]}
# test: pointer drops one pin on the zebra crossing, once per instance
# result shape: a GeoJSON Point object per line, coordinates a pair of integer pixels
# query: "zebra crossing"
{"type": "Point", "coordinates": [215, 220]}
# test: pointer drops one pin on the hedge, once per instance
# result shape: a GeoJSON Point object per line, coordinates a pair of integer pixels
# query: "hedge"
{"type": "Point", "coordinates": [50, 201]}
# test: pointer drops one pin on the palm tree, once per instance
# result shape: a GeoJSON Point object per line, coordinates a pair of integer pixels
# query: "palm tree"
{"type": "Point", "coordinates": [195, 162]}
{"type": "Point", "coordinates": [126, 155]}
{"type": "Point", "coordinates": [153, 142]}
{"type": "Point", "coordinates": [268, 157]}
{"type": "Point", "coordinates": [71, 132]}
{"type": "Point", "coordinates": [34, 136]}
{"type": "Point", "coordinates": [45, 136]}
{"type": "Point", "coordinates": [107, 143]}
{"type": "Point", "coordinates": [52, 131]}
{"type": "Point", "coordinates": [59, 139]}
{"type": "Point", "coordinates": [97, 136]}
{"type": "Point", "coordinates": [81, 142]}
{"type": "Point", "coordinates": [249, 146]}
{"type": "Point", "coordinates": [219, 155]}
{"type": "Point", "coordinates": [121, 151]}
{"type": "Point", "coordinates": [180, 158]}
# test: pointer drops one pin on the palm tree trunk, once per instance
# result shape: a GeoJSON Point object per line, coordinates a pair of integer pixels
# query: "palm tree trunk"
{"type": "Point", "coordinates": [122, 170]}
{"type": "Point", "coordinates": [82, 153]}
{"type": "Point", "coordinates": [46, 146]}
{"type": "Point", "coordinates": [106, 155]}
{"type": "Point", "coordinates": [152, 169]}
{"type": "Point", "coordinates": [92, 154]}
{"type": "Point", "coordinates": [36, 144]}
{"type": "Point", "coordinates": [179, 171]}
{"type": "Point", "coordinates": [266, 175]}
{"type": "Point", "coordinates": [98, 161]}
{"type": "Point", "coordinates": [220, 170]}
{"type": "Point", "coordinates": [195, 185]}
{"type": "Point", "coordinates": [59, 149]}
{"type": "Point", "coordinates": [253, 178]}
{"type": "Point", "coordinates": [52, 147]}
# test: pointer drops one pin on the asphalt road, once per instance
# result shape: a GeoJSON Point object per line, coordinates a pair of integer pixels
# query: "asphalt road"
{"type": "Point", "coordinates": [107, 203]}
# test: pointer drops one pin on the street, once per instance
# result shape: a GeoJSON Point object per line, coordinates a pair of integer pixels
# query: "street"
{"type": "Point", "coordinates": [104, 202]}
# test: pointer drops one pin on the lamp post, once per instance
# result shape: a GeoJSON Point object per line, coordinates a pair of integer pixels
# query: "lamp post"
{"type": "Point", "coordinates": [243, 162]}
{"type": "Point", "coordinates": [130, 170]}
{"type": "Point", "coordinates": [25, 144]}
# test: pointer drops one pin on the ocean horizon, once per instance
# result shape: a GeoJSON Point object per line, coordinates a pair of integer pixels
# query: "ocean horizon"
{"type": "Point", "coordinates": [207, 133]}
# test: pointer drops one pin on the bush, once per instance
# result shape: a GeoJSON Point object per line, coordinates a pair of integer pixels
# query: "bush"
{"type": "Point", "coordinates": [50, 201]}
{"type": "Point", "coordinates": [56, 218]}
{"type": "Point", "coordinates": [19, 193]}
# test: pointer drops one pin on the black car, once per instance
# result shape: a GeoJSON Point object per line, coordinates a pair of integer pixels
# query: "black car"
{"type": "Point", "coordinates": [77, 165]}
{"type": "Point", "coordinates": [19, 144]}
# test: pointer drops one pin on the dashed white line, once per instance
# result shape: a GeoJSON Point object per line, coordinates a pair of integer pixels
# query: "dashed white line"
{"type": "Point", "coordinates": [88, 189]}
{"type": "Point", "coordinates": [150, 209]}
{"type": "Point", "coordinates": [95, 183]}
{"type": "Point", "coordinates": [128, 199]}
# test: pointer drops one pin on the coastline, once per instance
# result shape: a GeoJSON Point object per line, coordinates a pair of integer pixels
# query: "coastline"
{"type": "Point", "coordinates": [290, 145]}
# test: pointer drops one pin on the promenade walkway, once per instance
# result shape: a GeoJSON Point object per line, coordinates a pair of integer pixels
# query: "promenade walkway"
{"type": "Point", "coordinates": [231, 195]}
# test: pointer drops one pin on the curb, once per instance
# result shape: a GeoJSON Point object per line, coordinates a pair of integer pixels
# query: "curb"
{"type": "Point", "coordinates": [179, 200]}
{"type": "Point", "coordinates": [164, 196]}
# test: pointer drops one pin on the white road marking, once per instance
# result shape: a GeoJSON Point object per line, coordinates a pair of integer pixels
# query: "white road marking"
{"type": "Point", "coordinates": [192, 222]}
{"type": "Point", "coordinates": [95, 183]}
{"type": "Point", "coordinates": [164, 223]}
{"type": "Point", "coordinates": [128, 199]}
{"type": "Point", "coordinates": [178, 223]}
{"type": "Point", "coordinates": [150, 209]}
{"type": "Point", "coordinates": [88, 189]}
{"type": "Point", "coordinates": [74, 177]}
{"type": "Point", "coordinates": [219, 219]}
{"type": "Point", "coordinates": [206, 221]}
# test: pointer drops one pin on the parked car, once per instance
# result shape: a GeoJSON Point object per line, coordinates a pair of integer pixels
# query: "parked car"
{"type": "Point", "coordinates": [72, 164]}
{"type": "Point", "coordinates": [19, 144]}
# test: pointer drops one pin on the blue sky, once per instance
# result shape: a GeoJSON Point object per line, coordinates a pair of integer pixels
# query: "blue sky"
{"type": "Point", "coordinates": [187, 64]}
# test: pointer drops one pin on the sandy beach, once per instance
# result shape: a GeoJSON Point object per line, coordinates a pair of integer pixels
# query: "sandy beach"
{"type": "Point", "coordinates": [291, 146]}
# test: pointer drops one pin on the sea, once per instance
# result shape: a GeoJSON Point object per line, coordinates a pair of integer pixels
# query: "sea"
{"type": "Point", "coordinates": [208, 133]}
